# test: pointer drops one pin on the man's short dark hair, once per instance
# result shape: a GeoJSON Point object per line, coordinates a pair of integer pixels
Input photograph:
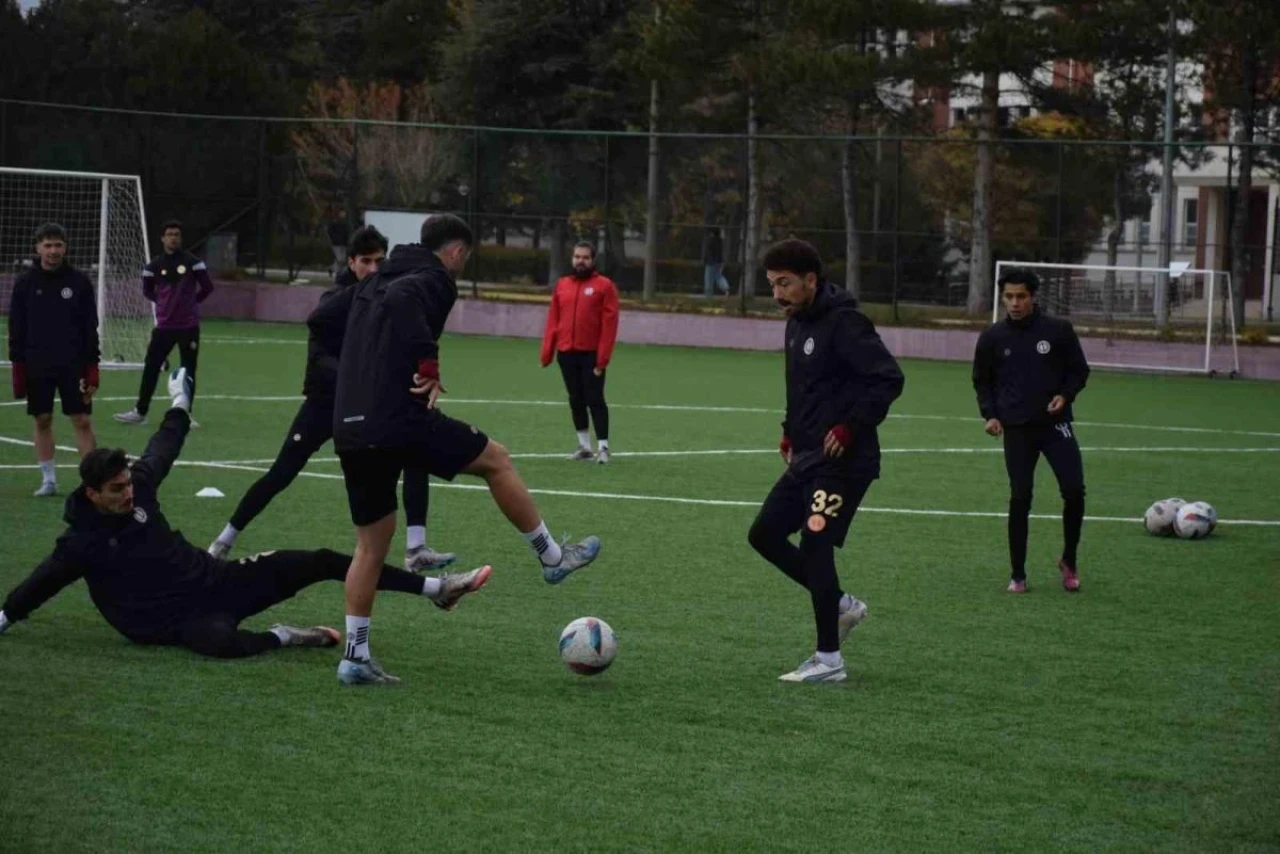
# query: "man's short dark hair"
{"type": "Point", "coordinates": [796, 256]}
{"type": "Point", "coordinates": [441, 229]}
{"type": "Point", "coordinates": [51, 231]}
{"type": "Point", "coordinates": [587, 245]}
{"type": "Point", "coordinates": [366, 240]}
{"type": "Point", "coordinates": [168, 224]}
{"type": "Point", "coordinates": [1019, 276]}
{"type": "Point", "coordinates": [101, 465]}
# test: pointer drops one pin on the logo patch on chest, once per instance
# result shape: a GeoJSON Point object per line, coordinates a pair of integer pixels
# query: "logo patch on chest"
{"type": "Point", "coordinates": [66, 293]}
{"type": "Point", "coordinates": [1008, 352]}
{"type": "Point", "coordinates": [588, 291]}
{"type": "Point", "coordinates": [140, 515]}
{"type": "Point", "coordinates": [182, 269]}
{"type": "Point", "coordinates": [1042, 347]}
{"type": "Point", "coordinates": [808, 346]}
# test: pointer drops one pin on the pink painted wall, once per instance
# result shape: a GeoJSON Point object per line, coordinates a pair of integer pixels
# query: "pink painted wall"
{"type": "Point", "coordinates": [258, 301]}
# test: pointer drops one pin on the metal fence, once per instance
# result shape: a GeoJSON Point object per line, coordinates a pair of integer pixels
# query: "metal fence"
{"type": "Point", "coordinates": [278, 184]}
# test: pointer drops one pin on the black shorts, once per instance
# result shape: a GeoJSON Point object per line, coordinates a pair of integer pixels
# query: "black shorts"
{"type": "Point", "coordinates": [371, 474]}
{"type": "Point", "coordinates": [41, 386]}
{"type": "Point", "coordinates": [820, 505]}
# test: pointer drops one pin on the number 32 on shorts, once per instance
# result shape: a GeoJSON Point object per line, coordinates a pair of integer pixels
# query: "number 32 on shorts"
{"type": "Point", "coordinates": [828, 504]}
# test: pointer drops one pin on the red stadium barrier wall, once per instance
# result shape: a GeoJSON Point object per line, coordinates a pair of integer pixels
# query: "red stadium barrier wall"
{"type": "Point", "coordinates": [292, 304]}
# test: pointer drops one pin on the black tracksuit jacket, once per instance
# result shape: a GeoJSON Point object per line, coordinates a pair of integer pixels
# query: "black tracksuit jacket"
{"type": "Point", "coordinates": [1019, 365]}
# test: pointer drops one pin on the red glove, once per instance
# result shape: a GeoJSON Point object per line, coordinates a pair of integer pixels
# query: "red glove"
{"type": "Point", "coordinates": [90, 375]}
{"type": "Point", "coordinates": [19, 380]}
{"type": "Point", "coordinates": [842, 434]}
{"type": "Point", "coordinates": [429, 368]}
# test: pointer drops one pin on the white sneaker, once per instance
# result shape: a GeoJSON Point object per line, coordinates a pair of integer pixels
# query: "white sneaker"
{"type": "Point", "coordinates": [456, 585]}
{"type": "Point", "coordinates": [47, 489]}
{"type": "Point", "coordinates": [812, 670]}
{"type": "Point", "coordinates": [425, 559]}
{"type": "Point", "coordinates": [603, 456]}
{"type": "Point", "coordinates": [582, 454]}
{"type": "Point", "coordinates": [850, 619]}
{"type": "Point", "coordinates": [133, 416]}
{"type": "Point", "coordinates": [180, 389]}
{"type": "Point", "coordinates": [219, 549]}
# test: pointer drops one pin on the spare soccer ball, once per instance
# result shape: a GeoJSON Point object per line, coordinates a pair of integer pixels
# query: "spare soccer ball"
{"type": "Point", "coordinates": [1195, 520]}
{"type": "Point", "coordinates": [588, 646]}
{"type": "Point", "coordinates": [1160, 516]}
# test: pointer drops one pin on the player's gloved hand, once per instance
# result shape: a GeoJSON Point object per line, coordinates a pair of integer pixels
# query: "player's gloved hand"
{"type": "Point", "coordinates": [4, 622]}
{"type": "Point", "coordinates": [838, 439]}
{"type": "Point", "coordinates": [993, 427]}
{"type": "Point", "coordinates": [784, 447]}
{"type": "Point", "coordinates": [19, 380]}
{"type": "Point", "coordinates": [426, 382]}
{"type": "Point", "coordinates": [89, 379]}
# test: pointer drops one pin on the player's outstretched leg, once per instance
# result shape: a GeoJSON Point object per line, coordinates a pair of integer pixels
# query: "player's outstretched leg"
{"type": "Point", "coordinates": [558, 560]}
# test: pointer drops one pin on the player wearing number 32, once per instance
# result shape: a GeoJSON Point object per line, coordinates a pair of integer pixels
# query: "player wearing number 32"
{"type": "Point", "coordinates": [841, 381]}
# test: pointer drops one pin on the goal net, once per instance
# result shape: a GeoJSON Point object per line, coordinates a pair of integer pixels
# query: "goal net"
{"type": "Point", "coordinates": [1114, 311]}
{"type": "Point", "coordinates": [107, 241]}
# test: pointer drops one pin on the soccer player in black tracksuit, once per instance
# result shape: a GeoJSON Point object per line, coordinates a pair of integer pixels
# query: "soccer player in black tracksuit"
{"type": "Point", "coordinates": [841, 381]}
{"type": "Point", "coordinates": [53, 345]}
{"type": "Point", "coordinates": [1027, 371]}
{"type": "Point", "coordinates": [313, 425]}
{"type": "Point", "coordinates": [154, 587]}
{"type": "Point", "coordinates": [385, 419]}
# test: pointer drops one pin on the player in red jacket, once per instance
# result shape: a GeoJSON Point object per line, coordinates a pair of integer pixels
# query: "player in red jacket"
{"type": "Point", "coordinates": [582, 327]}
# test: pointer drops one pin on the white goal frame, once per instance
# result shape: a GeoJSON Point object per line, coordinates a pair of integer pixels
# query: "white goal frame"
{"type": "Point", "coordinates": [104, 180]}
{"type": "Point", "coordinates": [1173, 272]}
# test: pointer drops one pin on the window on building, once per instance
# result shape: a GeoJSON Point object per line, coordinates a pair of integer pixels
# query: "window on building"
{"type": "Point", "coordinates": [1144, 228]}
{"type": "Point", "coordinates": [1190, 222]}
{"type": "Point", "coordinates": [957, 116]}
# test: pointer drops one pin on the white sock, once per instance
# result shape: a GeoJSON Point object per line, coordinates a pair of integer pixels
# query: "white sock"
{"type": "Point", "coordinates": [182, 402]}
{"type": "Point", "coordinates": [546, 548]}
{"type": "Point", "coordinates": [431, 586]}
{"type": "Point", "coordinates": [228, 535]}
{"type": "Point", "coordinates": [584, 439]}
{"type": "Point", "coordinates": [4, 621]}
{"type": "Point", "coordinates": [416, 536]}
{"type": "Point", "coordinates": [48, 472]}
{"type": "Point", "coordinates": [604, 444]}
{"type": "Point", "coordinates": [831, 659]}
{"type": "Point", "coordinates": [282, 633]}
{"type": "Point", "coordinates": [846, 602]}
{"type": "Point", "coordinates": [357, 638]}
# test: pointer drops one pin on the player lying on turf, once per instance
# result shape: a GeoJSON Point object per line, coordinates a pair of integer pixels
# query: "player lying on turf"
{"type": "Point", "coordinates": [154, 587]}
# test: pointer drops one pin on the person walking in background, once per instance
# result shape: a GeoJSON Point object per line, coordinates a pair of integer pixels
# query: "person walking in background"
{"type": "Point", "coordinates": [713, 265]}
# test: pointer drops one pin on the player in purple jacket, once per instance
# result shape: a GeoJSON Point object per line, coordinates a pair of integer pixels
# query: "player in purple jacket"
{"type": "Point", "coordinates": [177, 282]}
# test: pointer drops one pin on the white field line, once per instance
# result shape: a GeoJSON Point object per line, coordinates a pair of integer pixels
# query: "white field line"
{"type": "Point", "coordinates": [668, 499]}
{"type": "Point", "coordinates": [750, 410]}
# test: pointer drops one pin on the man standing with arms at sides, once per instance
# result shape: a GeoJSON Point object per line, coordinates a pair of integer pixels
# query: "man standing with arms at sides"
{"type": "Point", "coordinates": [1027, 371]}
{"type": "Point", "coordinates": [582, 327]}
{"type": "Point", "coordinates": [840, 383]}
{"type": "Point", "coordinates": [385, 419]}
{"type": "Point", "coordinates": [154, 587]}
{"type": "Point", "coordinates": [313, 425]}
{"type": "Point", "coordinates": [177, 282]}
{"type": "Point", "coordinates": [53, 345]}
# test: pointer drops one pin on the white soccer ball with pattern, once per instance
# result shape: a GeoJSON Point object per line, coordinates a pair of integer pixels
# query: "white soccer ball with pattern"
{"type": "Point", "coordinates": [1195, 521]}
{"type": "Point", "coordinates": [1160, 516]}
{"type": "Point", "coordinates": [588, 646]}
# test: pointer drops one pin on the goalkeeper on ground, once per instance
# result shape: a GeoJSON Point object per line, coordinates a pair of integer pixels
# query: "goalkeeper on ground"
{"type": "Point", "coordinates": [154, 587]}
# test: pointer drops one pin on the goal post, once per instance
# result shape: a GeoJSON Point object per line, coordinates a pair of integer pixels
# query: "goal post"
{"type": "Point", "coordinates": [1118, 305]}
{"type": "Point", "coordinates": [107, 240]}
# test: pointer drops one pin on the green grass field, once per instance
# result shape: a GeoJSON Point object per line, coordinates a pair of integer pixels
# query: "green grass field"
{"type": "Point", "coordinates": [1142, 714]}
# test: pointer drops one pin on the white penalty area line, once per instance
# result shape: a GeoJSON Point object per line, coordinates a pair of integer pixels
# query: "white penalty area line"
{"type": "Point", "coordinates": [672, 499]}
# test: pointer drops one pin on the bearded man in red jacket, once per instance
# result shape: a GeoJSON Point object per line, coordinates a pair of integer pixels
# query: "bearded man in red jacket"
{"type": "Point", "coordinates": [582, 327]}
